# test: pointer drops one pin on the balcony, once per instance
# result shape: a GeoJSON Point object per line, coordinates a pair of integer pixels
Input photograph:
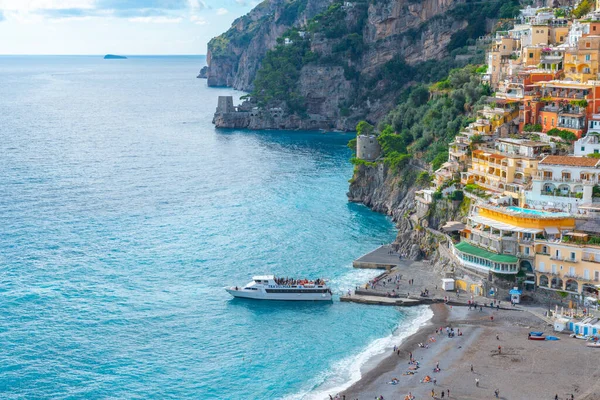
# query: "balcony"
{"type": "Point", "coordinates": [557, 258]}
{"type": "Point", "coordinates": [591, 258]}
{"type": "Point", "coordinates": [525, 255]}
{"type": "Point", "coordinates": [541, 253]}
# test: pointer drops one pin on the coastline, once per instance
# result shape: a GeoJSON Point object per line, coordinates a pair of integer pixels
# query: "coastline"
{"type": "Point", "coordinates": [502, 357]}
{"type": "Point", "coordinates": [360, 365]}
{"type": "Point", "coordinates": [439, 318]}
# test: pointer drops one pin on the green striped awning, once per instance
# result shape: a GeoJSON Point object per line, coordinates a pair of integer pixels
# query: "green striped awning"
{"type": "Point", "coordinates": [466, 248]}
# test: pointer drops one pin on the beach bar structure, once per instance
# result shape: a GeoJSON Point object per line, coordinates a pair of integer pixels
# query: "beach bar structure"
{"type": "Point", "coordinates": [515, 295]}
{"type": "Point", "coordinates": [448, 284]}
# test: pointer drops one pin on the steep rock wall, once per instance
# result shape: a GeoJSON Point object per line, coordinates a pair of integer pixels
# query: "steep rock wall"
{"type": "Point", "coordinates": [234, 57]}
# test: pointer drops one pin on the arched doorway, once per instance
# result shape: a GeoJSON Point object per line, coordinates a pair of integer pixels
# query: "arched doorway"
{"type": "Point", "coordinates": [543, 281]}
{"type": "Point", "coordinates": [572, 286]}
{"type": "Point", "coordinates": [556, 283]}
{"type": "Point", "coordinates": [526, 266]}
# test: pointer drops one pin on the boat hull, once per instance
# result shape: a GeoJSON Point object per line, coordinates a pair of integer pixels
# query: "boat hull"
{"type": "Point", "coordinates": [537, 338]}
{"type": "Point", "coordinates": [259, 295]}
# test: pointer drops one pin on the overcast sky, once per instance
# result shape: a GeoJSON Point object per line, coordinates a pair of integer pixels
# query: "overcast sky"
{"type": "Point", "coordinates": [114, 26]}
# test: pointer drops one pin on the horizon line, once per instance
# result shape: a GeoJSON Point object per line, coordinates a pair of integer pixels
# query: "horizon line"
{"type": "Point", "coordinates": [102, 55]}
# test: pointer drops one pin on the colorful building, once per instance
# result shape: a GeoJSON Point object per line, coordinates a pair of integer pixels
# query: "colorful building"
{"type": "Point", "coordinates": [570, 264]}
{"type": "Point", "coordinates": [501, 240]}
{"type": "Point", "coordinates": [564, 182]}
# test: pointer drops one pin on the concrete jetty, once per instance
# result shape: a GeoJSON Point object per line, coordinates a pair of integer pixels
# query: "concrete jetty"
{"type": "Point", "coordinates": [380, 258]}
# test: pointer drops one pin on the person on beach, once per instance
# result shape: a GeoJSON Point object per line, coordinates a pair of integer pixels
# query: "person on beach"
{"type": "Point", "coordinates": [442, 394]}
{"type": "Point", "coordinates": [448, 393]}
{"type": "Point", "coordinates": [496, 393]}
{"type": "Point", "coordinates": [471, 367]}
{"type": "Point", "coordinates": [477, 382]}
{"type": "Point", "coordinates": [498, 337]}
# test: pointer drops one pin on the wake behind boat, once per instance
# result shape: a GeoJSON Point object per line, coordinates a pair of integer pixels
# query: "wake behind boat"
{"type": "Point", "coordinates": [269, 287]}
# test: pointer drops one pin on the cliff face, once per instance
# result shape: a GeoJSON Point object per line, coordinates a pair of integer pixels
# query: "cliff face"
{"type": "Point", "coordinates": [393, 193]}
{"type": "Point", "coordinates": [394, 31]}
{"type": "Point", "coordinates": [234, 57]}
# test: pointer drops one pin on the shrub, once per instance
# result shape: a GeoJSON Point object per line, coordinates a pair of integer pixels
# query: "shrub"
{"type": "Point", "coordinates": [532, 128]}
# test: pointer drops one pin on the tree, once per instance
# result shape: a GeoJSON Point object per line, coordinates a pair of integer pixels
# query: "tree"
{"type": "Point", "coordinates": [582, 8]}
{"type": "Point", "coordinates": [364, 128]}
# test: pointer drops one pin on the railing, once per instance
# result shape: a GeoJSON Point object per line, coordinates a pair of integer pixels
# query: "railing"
{"type": "Point", "coordinates": [594, 259]}
{"type": "Point", "coordinates": [525, 255]}
{"type": "Point", "coordinates": [557, 258]}
{"type": "Point", "coordinates": [542, 253]}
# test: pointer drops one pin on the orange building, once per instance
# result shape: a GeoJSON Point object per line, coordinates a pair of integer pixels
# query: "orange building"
{"type": "Point", "coordinates": [560, 104]}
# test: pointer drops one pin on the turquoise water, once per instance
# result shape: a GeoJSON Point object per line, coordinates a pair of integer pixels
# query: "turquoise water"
{"type": "Point", "coordinates": [124, 213]}
{"type": "Point", "coordinates": [536, 212]}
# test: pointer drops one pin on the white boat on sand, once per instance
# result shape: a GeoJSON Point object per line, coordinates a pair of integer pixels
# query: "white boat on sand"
{"type": "Point", "coordinates": [268, 287]}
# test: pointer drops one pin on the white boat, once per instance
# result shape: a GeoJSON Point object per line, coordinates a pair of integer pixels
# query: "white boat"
{"type": "Point", "coordinates": [593, 344]}
{"type": "Point", "coordinates": [268, 287]}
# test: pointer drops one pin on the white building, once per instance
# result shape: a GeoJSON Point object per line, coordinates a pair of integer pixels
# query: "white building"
{"type": "Point", "coordinates": [589, 144]}
{"type": "Point", "coordinates": [564, 182]}
{"type": "Point", "coordinates": [576, 32]}
{"type": "Point", "coordinates": [524, 147]}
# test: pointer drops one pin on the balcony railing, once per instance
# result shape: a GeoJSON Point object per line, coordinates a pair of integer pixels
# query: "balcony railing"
{"type": "Point", "coordinates": [557, 258]}
{"type": "Point", "coordinates": [525, 255]}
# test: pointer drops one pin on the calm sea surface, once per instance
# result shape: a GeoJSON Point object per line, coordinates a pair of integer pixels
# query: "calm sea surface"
{"type": "Point", "coordinates": [124, 213]}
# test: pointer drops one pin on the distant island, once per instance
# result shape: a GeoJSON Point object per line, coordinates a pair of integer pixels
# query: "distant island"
{"type": "Point", "coordinates": [114, 57]}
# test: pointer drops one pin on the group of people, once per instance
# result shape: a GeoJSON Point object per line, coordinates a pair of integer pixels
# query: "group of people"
{"type": "Point", "coordinates": [292, 282]}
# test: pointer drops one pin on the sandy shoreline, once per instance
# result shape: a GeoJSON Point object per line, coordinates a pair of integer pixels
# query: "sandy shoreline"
{"type": "Point", "coordinates": [523, 369]}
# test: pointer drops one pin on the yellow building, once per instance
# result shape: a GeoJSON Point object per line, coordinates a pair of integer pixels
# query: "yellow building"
{"type": "Point", "coordinates": [571, 264]}
{"type": "Point", "coordinates": [499, 58]}
{"type": "Point", "coordinates": [500, 172]}
{"type": "Point", "coordinates": [502, 239]}
{"type": "Point", "coordinates": [540, 34]}
{"type": "Point", "coordinates": [581, 63]}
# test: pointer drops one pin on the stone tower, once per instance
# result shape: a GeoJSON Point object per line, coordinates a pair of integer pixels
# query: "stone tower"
{"type": "Point", "coordinates": [367, 147]}
{"type": "Point", "coordinates": [225, 105]}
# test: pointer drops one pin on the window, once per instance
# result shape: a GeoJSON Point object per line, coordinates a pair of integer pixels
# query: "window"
{"type": "Point", "coordinates": [582, 148]}
{"type": "Point", "coordinates": [595, 151]}
{"type": "Point", "coordinates": [572, 271]}
{"type": "Point", "coordinates": [527, 250]}
{"type": "Point", "coordinates": [557, 253]}
{"type": "Point", "coordinates": [552, 121]}
{"type": "Point", "coordinates": [530, 55]}
{"type": "Point", "coordinates": [541, 267]}
{"type": "Point", "coordinates": [587, 44]}
{"type": "Point", "coordinates": [588, 57]}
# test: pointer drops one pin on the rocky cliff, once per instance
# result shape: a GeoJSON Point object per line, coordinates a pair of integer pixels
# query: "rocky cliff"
{"type": "Point", "coordinates": [393, 193]}
{"type": "Point", "coordinates": [356, 73]}
{"type": "Point", "coordinates": [234, 57]}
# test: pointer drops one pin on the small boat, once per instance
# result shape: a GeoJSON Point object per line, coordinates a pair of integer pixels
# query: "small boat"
{"type": "Point", "coordinates": [593, 344]}
{"type": "Point", "coordinates": [536, 333]}
{"type": "Point", "coordinates": [578, 336]}
{"type": "Point", "coordinates": [269, 287]}
{"type": "Point", "coordinates": [537, 338]}
{"type": "Point", "coordinates": [552, 338]}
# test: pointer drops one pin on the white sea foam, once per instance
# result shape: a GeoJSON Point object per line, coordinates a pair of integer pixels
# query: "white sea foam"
{"type": "Point", "coordinates": [348, 371]}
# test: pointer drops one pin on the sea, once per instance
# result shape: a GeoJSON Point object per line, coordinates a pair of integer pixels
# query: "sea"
{"type": "Point", "coordinates": [123, 215]}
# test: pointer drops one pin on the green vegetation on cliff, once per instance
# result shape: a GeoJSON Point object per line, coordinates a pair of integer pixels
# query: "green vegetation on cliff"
{"type": "Point", "coordinates": [277, 80]}
{"type": "Point", "coordinates": [428, 118]}
{"type": "Point", "coordinates": [336, 35]}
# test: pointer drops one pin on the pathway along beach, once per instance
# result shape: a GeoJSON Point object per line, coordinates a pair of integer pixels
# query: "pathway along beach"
{"type": "Point", "coordinates": [523, 369]}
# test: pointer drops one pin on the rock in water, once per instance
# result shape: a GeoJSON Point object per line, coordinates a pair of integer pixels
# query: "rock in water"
{"type": "Point", "coordinates": [114, 57]}
{"type": "Point", "coordinates": [203, 73]}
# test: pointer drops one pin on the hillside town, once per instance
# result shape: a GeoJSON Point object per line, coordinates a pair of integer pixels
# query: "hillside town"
{"type": "Point", "coordinates": [529, 163]}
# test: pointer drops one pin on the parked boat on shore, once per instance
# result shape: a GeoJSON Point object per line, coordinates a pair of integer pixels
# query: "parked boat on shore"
{"type": "Point", "coordinates": [268, 287]}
